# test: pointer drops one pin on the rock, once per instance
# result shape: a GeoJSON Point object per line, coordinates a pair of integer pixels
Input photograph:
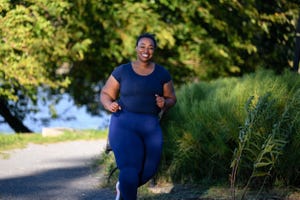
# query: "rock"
{"type": "Point", "coordinates": [54, 131]}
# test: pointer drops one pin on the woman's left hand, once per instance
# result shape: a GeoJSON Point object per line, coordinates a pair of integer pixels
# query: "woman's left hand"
{"type": "Point", "coordinates": [160, 101]}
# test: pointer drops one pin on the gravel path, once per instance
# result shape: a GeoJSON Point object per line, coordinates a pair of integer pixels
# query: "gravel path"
{"type": "Point", "coordinates": [59, 171]}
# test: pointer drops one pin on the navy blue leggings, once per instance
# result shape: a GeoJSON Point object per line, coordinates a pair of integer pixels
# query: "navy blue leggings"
{"type": "Point", "coordinates": [136, 140]}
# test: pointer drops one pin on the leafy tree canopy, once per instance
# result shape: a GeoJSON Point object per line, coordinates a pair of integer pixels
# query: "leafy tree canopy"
{"type": "Point", "coordinates": [72, 46]}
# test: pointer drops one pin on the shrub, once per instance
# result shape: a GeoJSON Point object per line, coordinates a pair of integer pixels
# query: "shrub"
{"type": "Point", "coordinates": [206, 127]}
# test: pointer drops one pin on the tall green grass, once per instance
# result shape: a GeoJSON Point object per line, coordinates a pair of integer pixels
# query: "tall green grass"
{"type": "Point", "coordinates": [249, 124]}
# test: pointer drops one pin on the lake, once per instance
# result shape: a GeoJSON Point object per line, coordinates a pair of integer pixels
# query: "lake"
{"type": "Point", "coordinates": [70, 116]}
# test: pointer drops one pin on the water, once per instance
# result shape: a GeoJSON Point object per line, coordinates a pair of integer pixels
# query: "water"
{"type": "Point", "coordinates": [70, 116]}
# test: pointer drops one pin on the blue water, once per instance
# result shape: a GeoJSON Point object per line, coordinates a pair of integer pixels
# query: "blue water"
{"type": "Point", "coordinates": [70, 116]}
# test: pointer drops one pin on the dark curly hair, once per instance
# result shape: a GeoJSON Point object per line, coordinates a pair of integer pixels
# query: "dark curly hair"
{"type": "Point", "coordinates": [146, 35]}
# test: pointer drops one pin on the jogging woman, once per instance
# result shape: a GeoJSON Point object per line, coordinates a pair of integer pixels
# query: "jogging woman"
{"type": "Point", "coordinates": [135, 93]}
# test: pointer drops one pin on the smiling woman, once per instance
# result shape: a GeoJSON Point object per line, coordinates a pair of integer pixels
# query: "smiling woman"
{"type": "Point", "coordinates": [135, 93]}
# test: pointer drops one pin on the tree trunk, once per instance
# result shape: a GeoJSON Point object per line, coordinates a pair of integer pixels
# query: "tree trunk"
{"type": "Point", "coordinates": [297, 48]}
{"type": "Point", "coordinates": [15, 123]}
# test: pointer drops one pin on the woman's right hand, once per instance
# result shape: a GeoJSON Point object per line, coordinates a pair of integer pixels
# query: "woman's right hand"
{"type": "Point", "coordinates": [114, 107]}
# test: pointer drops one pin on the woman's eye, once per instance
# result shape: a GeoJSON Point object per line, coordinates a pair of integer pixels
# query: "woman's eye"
{"type": "Point", "coordinates": [149, 48]}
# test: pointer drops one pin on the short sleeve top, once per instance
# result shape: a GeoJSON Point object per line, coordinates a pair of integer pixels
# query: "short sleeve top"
{"type": "Point", "coordinates": [137, 92]}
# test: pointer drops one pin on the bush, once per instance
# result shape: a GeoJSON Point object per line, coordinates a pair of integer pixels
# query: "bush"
{"type": "Point", "coordinates": [212, 121]}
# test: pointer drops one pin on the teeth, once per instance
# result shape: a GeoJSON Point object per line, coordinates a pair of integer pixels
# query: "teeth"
{"type": "Point", "coordinates": [145, 55]}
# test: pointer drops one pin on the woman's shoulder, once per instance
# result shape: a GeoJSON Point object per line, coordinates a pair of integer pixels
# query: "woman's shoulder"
{"type": "Point", "coordinates": [161, 68]}
{"type": "Point", "coordinates": [124, 65]}
{"type": "Point", "coordinates": [162, 72]}
{"type": "Point", "coordinates": [120, 68]}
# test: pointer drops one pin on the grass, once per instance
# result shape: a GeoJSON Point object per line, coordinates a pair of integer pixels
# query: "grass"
{"type": "Point", "coordinates": [16, 141]}
{"type": "Point", "coordinates": [205, 191]}
{"type": "Point", "coordinates": [199, 192]}
{"type": "Point", "coordinates": [203, 130]}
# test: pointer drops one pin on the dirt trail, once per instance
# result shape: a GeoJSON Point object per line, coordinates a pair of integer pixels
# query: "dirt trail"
{"type": "Point", "coordinates": [59, 171]}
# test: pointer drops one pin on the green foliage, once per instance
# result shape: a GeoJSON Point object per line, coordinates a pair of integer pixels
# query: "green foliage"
{"type": "Point", "coordinates": [196, 39]}
{"type": "Point", "coordinates": [32, 46]}
{"type": "Point", "coordinates": [35, 51]}
{"type": "Point", "coordinates": [288, 166]}
{"type": "Point", "coordinates": [209, 131]}
{"type": "Point", "coordinates": [72, 46]}
{"type": "Point", "coordinates": [221, 38]}
{"type": "Point", "coordinates": [261, 141]}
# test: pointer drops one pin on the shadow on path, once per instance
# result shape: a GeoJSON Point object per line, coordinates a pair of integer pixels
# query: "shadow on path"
{"type": "Point", "coordinates": [76, 182]}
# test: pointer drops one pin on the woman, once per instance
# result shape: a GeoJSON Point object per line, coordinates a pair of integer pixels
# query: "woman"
{"type": "Point", "coordinates": [136, 93]}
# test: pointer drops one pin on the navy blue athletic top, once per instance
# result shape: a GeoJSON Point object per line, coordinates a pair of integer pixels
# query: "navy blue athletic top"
{"type": "Point", "coordinates": [137, 92]}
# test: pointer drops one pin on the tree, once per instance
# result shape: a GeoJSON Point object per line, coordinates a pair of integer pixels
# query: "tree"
{"type": "Point", "coordinates": [113, 27]}
{"type": "Point", "coordinates": [297, 48]}
{"type": "Point", "coordinates": [72, 46]}
{"type": "Point", "coordinates": [229, 38]}
{"type": "Point", "coordinates": [34, 47]}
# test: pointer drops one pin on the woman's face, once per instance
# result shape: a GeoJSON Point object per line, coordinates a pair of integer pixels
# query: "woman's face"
{"type": "Point", "coordinates": [145, 49]}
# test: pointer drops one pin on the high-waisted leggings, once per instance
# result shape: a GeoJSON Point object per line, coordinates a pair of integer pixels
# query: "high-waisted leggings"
{"type": "Point", "coordinates": [136, 140]}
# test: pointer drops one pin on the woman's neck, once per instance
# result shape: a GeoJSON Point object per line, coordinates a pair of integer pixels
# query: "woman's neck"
{"type": "Point", "coordinates": [141, 64]}
{"type": "Point", "coordinates": [143, 68]}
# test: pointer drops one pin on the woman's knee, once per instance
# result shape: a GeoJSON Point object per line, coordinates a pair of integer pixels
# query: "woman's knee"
{"type": "Point", "coordinates": [129, 176]}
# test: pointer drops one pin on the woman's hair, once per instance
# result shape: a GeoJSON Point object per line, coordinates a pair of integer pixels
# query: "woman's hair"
{"type": "Point", "coordinates": [146, 35]}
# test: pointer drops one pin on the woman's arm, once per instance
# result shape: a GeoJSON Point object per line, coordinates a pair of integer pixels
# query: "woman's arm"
{"type": "Point", "coordinates": [169, 95]}
{"type": "Point", "coordinates": [168, 99]}
{"type": "Point", "coordinates": [109, 94]}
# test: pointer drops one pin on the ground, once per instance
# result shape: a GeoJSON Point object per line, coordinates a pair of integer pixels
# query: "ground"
{"type": "Point", "coordinates": [64, 171]}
